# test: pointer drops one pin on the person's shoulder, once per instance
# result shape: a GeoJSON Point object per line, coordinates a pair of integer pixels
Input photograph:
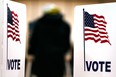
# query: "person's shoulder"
{"type": "Point", "coordinates": [66, 24]}
{"type": "Point", "coordinates": [37, 22]}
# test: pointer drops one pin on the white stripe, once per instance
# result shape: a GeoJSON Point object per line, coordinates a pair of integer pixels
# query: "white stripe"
{"type": "Point", "coordinates": [15, 24]}
{"type": "Point", "coordinates": [91, 32]}
{"type": "Point", "coordinates": [104, 39]}
{"type": "Point", "coordinates": [91, 28]}
{"type": "Point", "coordinates": [98, 18]}
{"type": "Point", "coordinates": [100, 26]}
{"type": "Point", "coordinates": [92, 37]}
{"type": "Point", "coordinates": [14, 16]}
{"type": "Point", "coordinates": [99, 22]}
{"type": "Point", "coordinates": [15, 20]}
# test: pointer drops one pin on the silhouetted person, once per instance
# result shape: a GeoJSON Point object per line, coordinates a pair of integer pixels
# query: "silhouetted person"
{"type": "Point", "coordinates": [49, 43]}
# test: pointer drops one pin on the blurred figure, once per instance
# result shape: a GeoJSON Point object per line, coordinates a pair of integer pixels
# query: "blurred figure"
{"type": "Point", "coordinates": [49, 43]}
{"type": "Point", "coordinates": [69, 62]}
{"type": "Point", "coordinates": [72, 59]}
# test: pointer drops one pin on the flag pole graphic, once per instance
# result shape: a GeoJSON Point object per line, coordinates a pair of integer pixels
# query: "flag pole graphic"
{"type": "Point", "coordinates": [84, 37]}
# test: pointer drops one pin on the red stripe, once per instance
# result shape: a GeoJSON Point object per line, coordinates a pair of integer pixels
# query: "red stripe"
{"type": "Point", "coordinates": [16, 31]}
{"type": "Point", "coordinates": [13, 28]}
{"type": "Point", "coordinates": [17, 39]}
{"type": "Point", "coordinates": [89, 34]}
{"type": "Point", "coordinates": [102, 32]}
{"type": "Point", "coordinates": [11, 36]}
{"type": "Point", "coordinates": [105, 41]}
{"type": "Point", "coordinates": [102, 29]}
{"type": "Point", "coordinates": [99, 16]}
{"type": "Point", "coordinates": [16, 27]}
{"type": "Point", "coordinates": [104, 37]}
{"type": "Point", "coordinates": [100, 21]}
{"type": "Point", "coordinates": [14, 14]}
{"type": "Point", "coordinates": [91, 38]}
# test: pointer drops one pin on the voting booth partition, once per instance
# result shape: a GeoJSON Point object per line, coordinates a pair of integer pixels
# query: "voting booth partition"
{"type": "Point", "coordinates": [12, 38]}
{"type": "Point", "coordinates": [95, 40]}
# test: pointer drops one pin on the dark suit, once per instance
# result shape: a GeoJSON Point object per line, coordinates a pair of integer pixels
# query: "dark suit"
{"type": "Point", "coordinates": [49, 43]}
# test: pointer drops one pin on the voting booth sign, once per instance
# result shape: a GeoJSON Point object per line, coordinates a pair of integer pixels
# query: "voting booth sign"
{"type": "Point", "coordinates": [95, 40]}
{"type": "Point", "coordinates": [12, 38]}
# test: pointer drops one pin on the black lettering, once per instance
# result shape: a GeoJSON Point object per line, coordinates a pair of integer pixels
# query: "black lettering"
{"type": "Point", "coordinates": [93, 66]}
{"type": "Point", "coordinates": [15, 61]}
{"type": "Point", "coordinates": [101, 67]}
{"type": "Point", "coordinates": [18, 65]}
{"type": "Point", "coordinates": [88, 65]}
{"type": "Point", "coordinates": [8, 64]}
{"type": "Point", "coordinates": [108, 66]}
{"type": "Point", "coordinates": [13, 64]}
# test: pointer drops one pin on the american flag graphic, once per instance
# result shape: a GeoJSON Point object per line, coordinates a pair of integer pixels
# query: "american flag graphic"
{"type": "Point", "coordinates": [13, 25]}
{"type": "Point", "coordinates": [95, 28]}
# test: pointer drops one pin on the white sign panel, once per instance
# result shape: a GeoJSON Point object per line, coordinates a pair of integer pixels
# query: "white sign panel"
{"type": "Point", "coordinates": [13, 39]}
{"type": "Point", "coordinates": [95, 40]}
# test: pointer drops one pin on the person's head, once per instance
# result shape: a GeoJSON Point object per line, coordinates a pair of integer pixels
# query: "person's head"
{"type": "Point", "coordinates": [51, 9]}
